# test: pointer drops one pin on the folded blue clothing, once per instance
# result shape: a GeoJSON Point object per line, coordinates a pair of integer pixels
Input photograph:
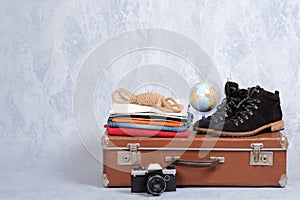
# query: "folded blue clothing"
{"type": "Point", "coordinates": [112, 124]}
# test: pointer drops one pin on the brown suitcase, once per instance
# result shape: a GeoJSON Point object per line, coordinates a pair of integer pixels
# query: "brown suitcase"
{"type": "Point", "coordinates": [200, 160]}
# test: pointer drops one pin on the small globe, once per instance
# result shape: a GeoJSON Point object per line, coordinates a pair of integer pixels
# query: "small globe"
{"type": "Point", "coordinates": [204, 96]}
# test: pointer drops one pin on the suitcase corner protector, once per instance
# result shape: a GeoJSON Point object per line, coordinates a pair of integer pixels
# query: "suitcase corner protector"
{"type": "Point", "coordinates": [105, 141]}
{"type": "Point", "coordinates": [105, 180]}
{"type": "Point", "coordinates": [283, 180]}
{"type": "Point", "coordinates": [284, 142]}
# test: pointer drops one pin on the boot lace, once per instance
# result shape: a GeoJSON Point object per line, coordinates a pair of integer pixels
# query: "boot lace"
{"type": "Point", "coordinates": [246, 106]}
{"type": "Point", "coordinates": [225, 107]}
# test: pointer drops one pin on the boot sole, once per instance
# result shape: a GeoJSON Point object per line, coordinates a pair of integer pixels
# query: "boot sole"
{"type": "Point", "coordinates": [275, 126]}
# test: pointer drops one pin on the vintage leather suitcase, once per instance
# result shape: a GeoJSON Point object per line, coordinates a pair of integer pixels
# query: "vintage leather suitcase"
{"type": "Point", "coordinates": [200, 160]}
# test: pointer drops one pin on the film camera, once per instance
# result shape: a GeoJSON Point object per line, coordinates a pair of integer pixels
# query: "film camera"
{"type": "Point", "coordinates": [153, 180]}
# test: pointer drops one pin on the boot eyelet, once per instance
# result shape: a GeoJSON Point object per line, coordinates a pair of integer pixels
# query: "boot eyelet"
{"type": "Point", "coordinates": [246, 117]}
{"type": "Point", "coordinates": [250, 113]}
{"type": "Point", "coordinates": [258, 101]}
{"type": "Point", "coordinates": [236, 123]}
{"type": "Point", "coordinates": [242, 121]}
{"type": "Point", "coordinates": [255, 107]}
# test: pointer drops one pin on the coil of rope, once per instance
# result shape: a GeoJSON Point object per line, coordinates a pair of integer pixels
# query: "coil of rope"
{"type": "Point", "coordinates": [147, 99]}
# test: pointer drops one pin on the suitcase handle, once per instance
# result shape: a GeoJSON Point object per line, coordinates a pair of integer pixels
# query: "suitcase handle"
{"type": "Point", "coordinates": [197, 163]}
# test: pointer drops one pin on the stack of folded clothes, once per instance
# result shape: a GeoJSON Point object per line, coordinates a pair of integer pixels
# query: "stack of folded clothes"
{"type": "Point", "coordinates": [147, 121]}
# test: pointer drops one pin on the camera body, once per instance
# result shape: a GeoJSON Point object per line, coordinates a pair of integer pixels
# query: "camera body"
{"type": "Point", "coordinates": [153, 180]}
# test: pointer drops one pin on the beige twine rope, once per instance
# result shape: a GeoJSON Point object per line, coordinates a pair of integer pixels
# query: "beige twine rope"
{"type": "Point", "coordinates": [147, 99]}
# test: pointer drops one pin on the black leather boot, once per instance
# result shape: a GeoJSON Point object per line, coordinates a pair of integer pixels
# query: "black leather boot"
{"type": "Point", "coordinates": [225, 110]}
{"type": "Point", "coordinates": [257, 113]}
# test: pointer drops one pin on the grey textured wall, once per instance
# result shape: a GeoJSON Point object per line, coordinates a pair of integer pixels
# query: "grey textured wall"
{"type": "Point", "coordinates": [44, 43]}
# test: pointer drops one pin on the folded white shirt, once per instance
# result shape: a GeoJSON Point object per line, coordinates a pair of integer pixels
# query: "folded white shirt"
{"type": "Point", "coordinates": [134, 109]}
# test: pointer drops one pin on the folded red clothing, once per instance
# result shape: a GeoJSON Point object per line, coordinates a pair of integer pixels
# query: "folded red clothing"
{"type": "Point", "coordinates": [144, 132]}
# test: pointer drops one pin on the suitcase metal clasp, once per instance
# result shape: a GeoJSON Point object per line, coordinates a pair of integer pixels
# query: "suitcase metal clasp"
{"type": "Point", "coordinates": [258, 157]}
{"type": "Point", "coordinates": [131, 157]}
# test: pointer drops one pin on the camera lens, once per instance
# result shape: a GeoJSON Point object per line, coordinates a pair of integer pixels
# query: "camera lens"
{"type": "Point", "coordinates": [156, 185]}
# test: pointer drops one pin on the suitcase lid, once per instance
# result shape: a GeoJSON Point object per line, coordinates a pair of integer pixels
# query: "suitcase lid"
{"type": "Point", "coordinates": [266, 141]}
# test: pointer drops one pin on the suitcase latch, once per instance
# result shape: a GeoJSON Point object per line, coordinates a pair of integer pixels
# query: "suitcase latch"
{"type": "Point", "coordinates": [130, 157]}
{"type": "Point", "coordinates": [258, 157]}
